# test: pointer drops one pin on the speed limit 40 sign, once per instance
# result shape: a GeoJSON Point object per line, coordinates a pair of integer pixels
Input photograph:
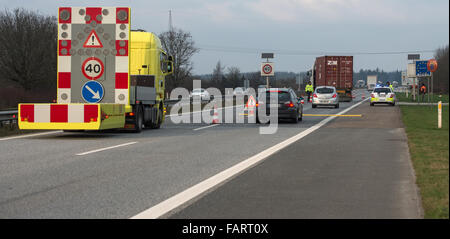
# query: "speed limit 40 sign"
{"type": "Point", "coordinates": [267, 69]}
{"type": "Point", "coordinates": [92, 68]}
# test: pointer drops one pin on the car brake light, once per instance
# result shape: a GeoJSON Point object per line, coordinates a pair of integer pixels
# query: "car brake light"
{"type": "Point", "coordinates": [334, 96]}
{"type": "Point", "coordinates": [289, 104]}
{"type": "Point", "coordinates": [315, 96]}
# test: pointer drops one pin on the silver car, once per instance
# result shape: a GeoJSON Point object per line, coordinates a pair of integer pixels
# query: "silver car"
{"type": "Point", "coordinates": [325, 96]}
{"type": "Point", "coordinates": [202, 93]}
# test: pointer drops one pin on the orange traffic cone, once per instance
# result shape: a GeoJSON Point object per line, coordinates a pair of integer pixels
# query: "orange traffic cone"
{"type": "Point", "coordinates": [215, 115]}
{"type": "Point", "coordinates": [251, 111]}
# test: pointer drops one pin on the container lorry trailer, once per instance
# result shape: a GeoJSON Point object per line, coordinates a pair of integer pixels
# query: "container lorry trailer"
{"type": "Point", "coordinates": [371, 82]}
{"type": "Point", "coordinates": [334, 71]}
{"type": "Point", "coordinates": [108, 76]}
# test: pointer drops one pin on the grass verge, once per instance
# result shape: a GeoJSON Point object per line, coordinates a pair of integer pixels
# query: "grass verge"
{"type": "Point", "coordinates": [429, 149]}
{"type": "Point", "coordinates": [401, 97]}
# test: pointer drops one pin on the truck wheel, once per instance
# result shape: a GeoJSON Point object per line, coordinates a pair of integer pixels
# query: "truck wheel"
{"type": "Point", "coordinates": [314, 106]}
{"type": "Point", "coordinates": [138, 119]}
{"type": "Point", "coordinates": [157, 124]}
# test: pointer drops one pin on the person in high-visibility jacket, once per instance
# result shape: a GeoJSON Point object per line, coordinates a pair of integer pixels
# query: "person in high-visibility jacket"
{"type": "Point", "coordinates": [309, 90]}
{"type": "Point", "coordinates": [423, 91]}
{"type": "Point", "coordinates": [390, 86]}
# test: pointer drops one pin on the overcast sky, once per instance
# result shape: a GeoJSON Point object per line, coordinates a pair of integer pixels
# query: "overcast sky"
{"type": "Point", "coordinates": [236, 32]}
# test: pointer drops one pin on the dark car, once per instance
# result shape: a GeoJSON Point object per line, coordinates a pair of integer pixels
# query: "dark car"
{"type": "Point", "coordinates": [289, 105]}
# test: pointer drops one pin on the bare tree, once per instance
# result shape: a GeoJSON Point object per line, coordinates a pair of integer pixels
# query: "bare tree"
{"type": "Point", "coordinates": [218, 72]}
{"type": "Point", "coordinates": [181, 47]}
{"type": "Point", "coordinates": [28, 44]}
{"type": "Point", "coordinates": [233, 77]}
{"type": "Point", "coordinates": [441, 76]}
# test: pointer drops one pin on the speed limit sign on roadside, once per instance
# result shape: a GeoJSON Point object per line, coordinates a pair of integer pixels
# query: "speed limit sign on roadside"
{"type": "Point", "coordinates": [92, 68]}
{"type": "Point", "coordinates": [267, 69]}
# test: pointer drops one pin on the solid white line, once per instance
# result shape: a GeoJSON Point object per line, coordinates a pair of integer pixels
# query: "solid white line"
{"type": "Point", "coordinates": [30, 135]}
{"type": "Point", "coordinates": [196, 190]}
{"type": "Point", "coordinates": [209, 126]}
{"type": "Point", "coordinates": [103, 149]}
{"type": "Point", "coordinates": [196, 112]}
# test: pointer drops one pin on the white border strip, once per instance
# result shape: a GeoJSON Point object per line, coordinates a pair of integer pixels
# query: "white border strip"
{"type": "Point", "coordinates": [103, 149]}
{"type": "Point", "coordinates": [196, 190]}
{"type": "Point", "coordinates": [201, 111]}
{"type": "Point", "coordinates": [29, 135]}
{"type": "Point", "coordinates": [209, 126]}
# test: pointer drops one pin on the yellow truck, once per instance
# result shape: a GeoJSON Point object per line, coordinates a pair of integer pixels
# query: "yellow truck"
{"type": "Point", "coordinates": [109, 76]}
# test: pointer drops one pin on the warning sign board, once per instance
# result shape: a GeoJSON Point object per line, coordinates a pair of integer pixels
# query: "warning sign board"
{"type": "Point", "coordinates": [92, 68]}
{"type": "Point", "coordinates": [92, 41]}
{"type": "Point", "coordinates": [267, 69]}
{"type": "Point", "coordinates": [251, 102]}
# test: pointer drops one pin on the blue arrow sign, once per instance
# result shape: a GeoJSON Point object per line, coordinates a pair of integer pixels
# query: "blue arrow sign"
{"type": "Point", "coordinates": [422, 69]}
{"type": "Point", "coordinates": [92, 91]}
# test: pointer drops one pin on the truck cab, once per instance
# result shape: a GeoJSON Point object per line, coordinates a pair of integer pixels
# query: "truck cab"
{"type": "Point", "coordinates": [149, 64]}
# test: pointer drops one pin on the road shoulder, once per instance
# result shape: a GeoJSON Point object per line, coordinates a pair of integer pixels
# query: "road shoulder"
{"type": "Point", "coordinates": [360, 180]}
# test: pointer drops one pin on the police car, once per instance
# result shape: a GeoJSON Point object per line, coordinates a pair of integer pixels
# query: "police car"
{"type": "Point", "coordinates": [382, 95]}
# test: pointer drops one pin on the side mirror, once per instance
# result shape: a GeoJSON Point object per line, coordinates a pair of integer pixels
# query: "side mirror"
{"type": "Point", "coordinates": [301, 100]}
{"type": "Point", "coordinates": [169, 65]}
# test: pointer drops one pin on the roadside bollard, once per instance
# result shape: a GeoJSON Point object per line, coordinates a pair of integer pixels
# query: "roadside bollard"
{"type": "Point", "coordinates": [440, 114]}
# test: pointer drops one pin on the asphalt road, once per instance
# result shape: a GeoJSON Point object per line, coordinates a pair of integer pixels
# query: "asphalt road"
{"type": "Point", "coordinates": [120, 175]}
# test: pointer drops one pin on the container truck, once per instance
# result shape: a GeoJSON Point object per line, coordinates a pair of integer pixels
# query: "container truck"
{"type": "Point", "coordinates": [334, 71]}
{"type": "Point", "coordinates": [371, 82]}
{"type": "Point", "coordinates": [108, 76]}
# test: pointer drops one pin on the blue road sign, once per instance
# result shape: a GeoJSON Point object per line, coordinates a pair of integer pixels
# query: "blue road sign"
{"type": "Point", "coordinates": [422, 69]}
{"type": "Point", "coordinates": [92, 91]}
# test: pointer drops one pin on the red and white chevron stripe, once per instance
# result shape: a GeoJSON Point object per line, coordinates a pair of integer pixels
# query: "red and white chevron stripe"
{"type": "Point", "coordinates": [58, 113]}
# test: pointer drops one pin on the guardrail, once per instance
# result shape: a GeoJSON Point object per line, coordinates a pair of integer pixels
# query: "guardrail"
{"type": "Point", "coordinates": [8, 117]}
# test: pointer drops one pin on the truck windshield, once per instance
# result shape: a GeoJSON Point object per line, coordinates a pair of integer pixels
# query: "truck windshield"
{"type": "Point", "coordinates": [325, 90]}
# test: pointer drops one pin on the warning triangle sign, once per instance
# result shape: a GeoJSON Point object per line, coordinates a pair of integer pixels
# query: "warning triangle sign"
{"type": "Point", "coordinates": [93, 41]}
{"type": "Point", "coordinates": [251, 102]}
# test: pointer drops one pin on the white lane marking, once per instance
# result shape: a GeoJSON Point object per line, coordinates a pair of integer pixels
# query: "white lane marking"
{"type": "Point", "coordinates": [103, 149]}
{"type": "Point", "coordinates": [196, 112]}
{"type": "Point", "coordinates": [30, 135]}
{"type": "Point", "coordinates": [179, 199]}
{"type": "Point", "coordinates": [209, 126]}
